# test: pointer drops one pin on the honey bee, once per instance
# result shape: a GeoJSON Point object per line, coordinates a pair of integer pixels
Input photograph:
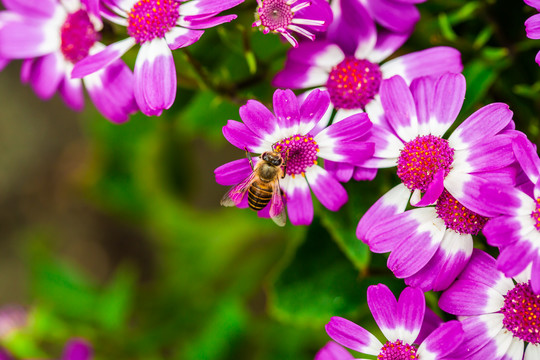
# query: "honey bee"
{"type": "Point", "coordinates": [262, 186]}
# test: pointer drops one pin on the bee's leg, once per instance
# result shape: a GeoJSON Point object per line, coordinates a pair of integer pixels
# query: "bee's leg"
{"type": "Point", "coordinates": [249, 158]}
{"type": "Point", "coordinates": [285, 165]}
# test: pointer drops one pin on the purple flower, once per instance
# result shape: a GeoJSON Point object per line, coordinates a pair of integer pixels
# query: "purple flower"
{"type": "Point", "coordinates": [400, 322]}
{"type": "Point", "coordinates": [12, 318]}
{"type": "Point", "coordinates": [75, 349]}
{"type": "Point", "coordinates": [294, 132]}
{"type": "Point", "coordinates": [347, 64]}
{"type": "Point", "coordinates": [532, 25]}
{"type": "Point", "coordinates": [52, 36]}
{"type": "Point", "coordinates": [159, 26]}
{"type": "Point", "coordinates": [285, 16]}
{"type": "Point", "coordinates": [517, 230]}
{"type": "Point", "coordinates": [500, 316]}
{"type": "Point", "coordinates": [478, 152]}
{"type": "Point", "coordinates": [429, 246]}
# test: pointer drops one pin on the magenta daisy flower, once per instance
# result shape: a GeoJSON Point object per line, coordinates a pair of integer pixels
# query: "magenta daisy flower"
{"type": "Point", "coordinates": [293, 133]}
{"type": "Point", "coordinates": [500, 315]}
{"type": "Point", "coordinates": [158, 26]}
{"type": "Point", "coordinates": [532, 25]}
{"type": "Point", "coordinates": [400, 322]}
{"type": "Point", "coordinates": [52, 36]}
{"type": "Point", "coordinates": [429, 246]}
{"type": "Point", "coordinates": [478, 152]}
{"type": "Point", "coordinates": [349, 63]}
{"type": "Point", "coordinates": [286, 16]}
{"type": "Point", "coordinates": [517, 230]}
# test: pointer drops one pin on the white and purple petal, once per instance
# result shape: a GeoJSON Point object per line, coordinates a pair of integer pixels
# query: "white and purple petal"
{"type": "Point", "coordinates": [442, 342]}
{"type": "Point", "coordinates": [393, 202]}
{"type": "Point", "coordinates": [111, 90]}
{"type": "Point", "coordinates": [411, 307]}
{"type": "Point", "coordinates": [399, 107]}
{"type": "Point", "coordinates": [298, 200]}
{"type": "Point", "coordinates": [98, 61]}
{"type": "Point", "coordinates": [233, 172]}
{"type": "Point", "coordinates": [384, 308]}
{"type": "Point", "coordinates": [155, 77]}
{"type": "Point", "coordinates": [354, 337]}
{"type": "Point", "coordinates": [326, 188]}
{"type": "Point", "coordinates": [429, 62]}
{"type": "Point", "coordinates": [483, 124]}
{"type": "Point", "coordinates": [179, 37]}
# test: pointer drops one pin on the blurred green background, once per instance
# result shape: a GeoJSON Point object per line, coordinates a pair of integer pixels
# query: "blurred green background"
{"type": "Point", "coordinates": [115, 233]}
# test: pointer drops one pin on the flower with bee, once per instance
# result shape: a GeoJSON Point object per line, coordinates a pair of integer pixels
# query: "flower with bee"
{"type": "Point", "coordinates": [297, 134]}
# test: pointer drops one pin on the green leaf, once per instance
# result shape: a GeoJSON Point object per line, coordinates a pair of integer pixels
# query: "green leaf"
{"type": "Point", "coordinates": [318, 283]}
{"type": "Point", "coordinates": [343, 231]}
{"type": "Point", "coordinates": [114, 303]}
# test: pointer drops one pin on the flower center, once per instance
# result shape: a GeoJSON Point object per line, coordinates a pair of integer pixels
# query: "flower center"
{"type": "Point", "coordinates": [353, 83]}
{"type": "Point", "coordinates": [536, 215]}
{"type": "Point", "coordinates": [521, 312]}
{"type": "Point", "coordinates": [397, 351]}
{"type": "Point", "coordinates": [421, 158]}
{"type": "Point", "coordinates": [78, 36]}
{"type": "Point", "coordinates": [299, 152]}
{"type": "Point", "coordinates": [457, 217]}
{"type": "Point", "coordinates": [150, 19]}
{"type": "Point", "coordinates": [274, 14]}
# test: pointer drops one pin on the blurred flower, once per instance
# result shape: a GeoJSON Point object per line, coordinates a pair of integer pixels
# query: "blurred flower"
{"type": "Point", "coordinates": [51, 36]}
{"type": "Point", "coordinates": [347, 64]}
{"type": "Point", "coordinates": [159, 26]}
{"type": "Point", "coordinates": [532, 24]}
{"type": "Point", "coordinates": [517, 230]}
{"type": "Point", "coordinates": [284, 16]}
{"type": "Point", "coordinates": [294, 132]}
{"type": "Point", "coordinates": [12, 317]}
{"type": "Point", "coordinates": [500, 317]}
{"type": "Point", "coordinates": [478, 152]}
{"type": "Point", "coordinates": [400, 322]}
{"type": "Point", "coordinates": [75, 349]}
{"type": "Point", "coordinates": [333, 351]}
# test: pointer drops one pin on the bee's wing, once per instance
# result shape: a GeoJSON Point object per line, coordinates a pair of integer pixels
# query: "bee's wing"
{"type": "Point", "coordinates": [277, 207]}
{"type": "Point", "coordinates": [234, 196]}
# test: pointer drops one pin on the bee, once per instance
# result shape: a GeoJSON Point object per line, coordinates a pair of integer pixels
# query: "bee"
{"type": "Point", "coordinates": [262, 186]}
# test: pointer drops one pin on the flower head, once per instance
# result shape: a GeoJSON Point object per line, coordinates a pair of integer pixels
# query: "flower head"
{"type": "Point", "coordinates": [286, 16]}
{"type": "Point", "coordinates": [516, 228]}
{"type": "Point", "coordinates": [158, 26]}
{"type": "Point", "coordinates": [400, 322]}
{"type": "Point", "coordinates": [449, 172]}
{"type": "Point", "coordinates": [293, 132]}
{"type": "Point", "coordinates": [500, 315]}
{"type": "Point", "coordinates": [53, 36]}
{"type": "Point", "coordinates": [349, 63]}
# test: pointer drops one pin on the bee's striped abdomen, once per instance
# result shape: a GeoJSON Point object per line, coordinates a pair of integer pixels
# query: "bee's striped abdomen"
{"type": "Point", "coordinates": [259, 195]}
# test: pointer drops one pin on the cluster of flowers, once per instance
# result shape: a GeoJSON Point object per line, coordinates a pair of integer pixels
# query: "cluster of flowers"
{"type": "Point", "coordinates": [365, 113]}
